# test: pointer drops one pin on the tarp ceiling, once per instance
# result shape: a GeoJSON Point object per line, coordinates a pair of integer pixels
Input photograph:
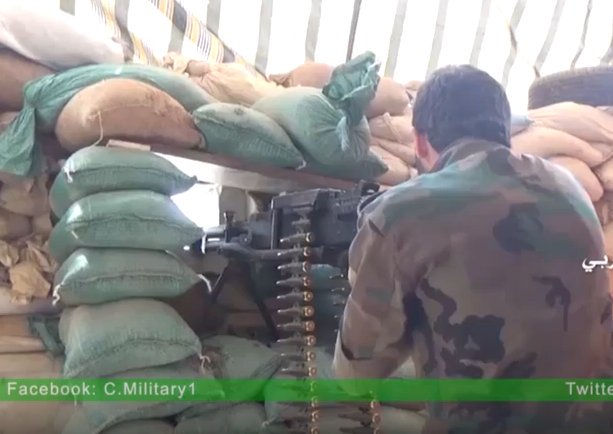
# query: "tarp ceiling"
{"type": "Point", "coordinates": [514, 40]}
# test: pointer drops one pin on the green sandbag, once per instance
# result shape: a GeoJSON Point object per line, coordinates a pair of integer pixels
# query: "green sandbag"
{"type": "Point", "coordinates": [329, 126]}
{"type": "Point", "coordinates": [142, 427]}
{"type": "Point", "coordinates": [119, 336]}
{"type": "Point", "coordinates": [133, 417]}
{"type": "Point", "coordinates": [234, 419]}
{"type": "Point", "coordinates": [237, 358]}
{"type": "Point", "coordinates": [45, 98]}
{"type": "Point", "coordinates": [97, 169]}
{"type": "Point", "coordinates": [136, 219]}
{"type": "Point", "coordinates": [233, 130]}
{"type": "Point", "coordinates": [393, 421]}
{"type": "Point", "coordinates": [93, 276]}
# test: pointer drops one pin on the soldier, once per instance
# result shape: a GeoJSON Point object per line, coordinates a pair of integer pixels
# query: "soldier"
{"type": "Point", "coordinates": [474, 269]}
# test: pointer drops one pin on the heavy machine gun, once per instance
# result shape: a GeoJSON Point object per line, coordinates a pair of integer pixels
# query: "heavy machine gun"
{"type": "Point", "coordinates": [298, 248]}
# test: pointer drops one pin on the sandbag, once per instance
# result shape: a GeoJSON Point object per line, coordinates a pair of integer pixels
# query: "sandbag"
{"type": "Point", "coordinates": [393, 421]}
{"type": "Point", "coordinates": [13, 226]}
{"type": "Point", "coordinates": [135, 219]}
{"type": "Point", "coordinates": [393, 128]}
{"type": "Point", "coordinates": [406, 153]}
{"type": "Point", "coordinates": [605, 149]}
{"type": "Point", "coordinates": [603, 208]}
{"type": "Point", "coordinates": [582, 121]}
{"type": "Point", "coordinates": [605, 175]}
{"type": "Point", "coordinates": [582, 174]}
{"type": "Point", "coordinates": [111, 417]}
{"type": "Point", "coordinates": [310, 74]}
{"type": "Point", "coordinates": [125, 109]}
{"type": "Point", "coordinates": [241, 132]}
{"type": "Point", "coordinates": [398, 171]}
{"type": "Point", "coordinates": [141, 427]}
{"type": "Point", "coordinates": [45, 98]}
{"type": "Point", "coordinates": [31, 203]}
{"type": "Point", "coordinates": [519, 123]}
{"type": "Point", "coordinates": [94, 276]}
{"type": "Point", "coordinates": [236, 358]}
{"type": "Point", "coordinates": [41, 224]}
{"type": "Point", "coordinates": [233, 83]}
{"type": "Point", "coordinates": [548, 142]}
{"type": "Point", "coordinates": [608, 239]}
{"type": "Point", "coordinates": [103, 169]}
{"type": "Point", "coordinates": [16, 71]}
{"type": "Point", "coordinates": [119, 336]}
{"type": "Point", "coordinates": [391, 97]}
{"type": "Point", "coordinates": [233, 419]}
{"type": "Point", "coordinates": [329, 125]}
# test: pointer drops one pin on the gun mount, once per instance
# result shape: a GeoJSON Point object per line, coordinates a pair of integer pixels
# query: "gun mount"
{"type": "Point", "coordinates": [297, 251]}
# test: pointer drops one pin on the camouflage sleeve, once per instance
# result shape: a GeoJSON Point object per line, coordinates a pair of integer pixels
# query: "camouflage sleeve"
{"type": "Point", "coordinates": [371, 341]}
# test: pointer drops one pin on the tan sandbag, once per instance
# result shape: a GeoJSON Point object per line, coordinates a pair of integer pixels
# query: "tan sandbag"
{"type": "Point", "coordinates": [406, 153]}
{"type": "Point", "coordinates": [398, 171]}
{"type": "Point", "coordinates": [125, 110]}
{"type": "Point", "coordinates": [583, 174]}
{"type": "Point", "coordinates": [13, 226]}
{"type": "Point", "coordinates": [395, 128]}
{"type": "Point", "coordinates": [547, 142]}
{"type": "Point", "coordinates": [30, 203]}
{"type": "Point", "coordinates": [233, 83]}
{"type": "Point", "coordinates": [16, 71]}
{"type": "Point", "coordinates": [582, 121]}
{"type": "Point", "coordinates": [608, 239]}
{"type": "Point", "coordinates": [310, 74]}
{"type": "Point", "coordinates": [391, 97]}
{"type": "Point", "coordinates": [604, 173]}
{"type": "Point", "coordinates": [603, 208]}
{"type": "Point", "coordinates": [42, 224]}
{"type": "Point", "coordinates": [605, 149]}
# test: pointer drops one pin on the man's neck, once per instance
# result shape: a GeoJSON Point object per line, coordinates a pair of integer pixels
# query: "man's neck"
{"type": "Point", "coordinates": [463, 148]}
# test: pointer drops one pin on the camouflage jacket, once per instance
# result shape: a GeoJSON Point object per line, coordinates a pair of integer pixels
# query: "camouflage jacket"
{"type": "Point", "coordinates": [475, 271]}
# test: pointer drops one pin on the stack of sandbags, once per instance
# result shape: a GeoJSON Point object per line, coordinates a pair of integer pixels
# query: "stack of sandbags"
{"type": "Point", "coordinates": [580, 139]}
{"type": "Point", "coordinates": [92, 104]}
{"type": "Point", "coordinates": [391, 129]}
{"type": "Point", "coordinates": [116, 231]}
{"type": "Point", "coordinates": [230, 83]}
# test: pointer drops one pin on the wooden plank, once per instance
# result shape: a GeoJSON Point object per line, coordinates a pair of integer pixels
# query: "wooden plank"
{"type": "Point", "coordinates": [234, 172]}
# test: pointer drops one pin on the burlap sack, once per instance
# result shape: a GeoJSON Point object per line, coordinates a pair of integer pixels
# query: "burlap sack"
{"type": "Point", "coordinates": [16, 71]}
{"type": "Point", "coordinates": [606, 149]}
{"type": "Point", "coordinates": [391, 97]}
{"type": "Point", "coordinates": [233, 83]}
{"type": "Point", "coordinates": [13, 226]}
{"type": "Point", "coordinates": [405, 153]}
{"type": "Point", "coordinates": [395, 128]}
{"type": "Point", "coordinates": [310, 74]}
{"type": "Point", "coordinates": [548, 142]}
{"type": "Point", "coordinates": [608, 239]}
{"type": "Point", "coordinates": [604, 173]}
{"type": "Point", "coordinates": [398, 170]}
{"type": "Point", "coordinates": [583, 174]}
{"type": "Point", "coordinates": [125, 109]}
{"type": "Point", "coordinates": [20, 200]}
{"type": "Point", "coordinates": [582, 121]}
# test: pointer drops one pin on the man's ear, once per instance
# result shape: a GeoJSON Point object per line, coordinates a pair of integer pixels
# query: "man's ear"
{"type": "Point", "coordinates": [422, 147]}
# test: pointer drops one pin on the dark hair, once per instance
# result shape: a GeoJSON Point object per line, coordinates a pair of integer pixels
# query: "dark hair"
{"type": "Point", "coordinates": [462, 101]}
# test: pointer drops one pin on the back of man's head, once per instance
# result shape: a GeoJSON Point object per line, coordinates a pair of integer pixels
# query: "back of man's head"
{"type": "Point", "coordinates": [461, 101]}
